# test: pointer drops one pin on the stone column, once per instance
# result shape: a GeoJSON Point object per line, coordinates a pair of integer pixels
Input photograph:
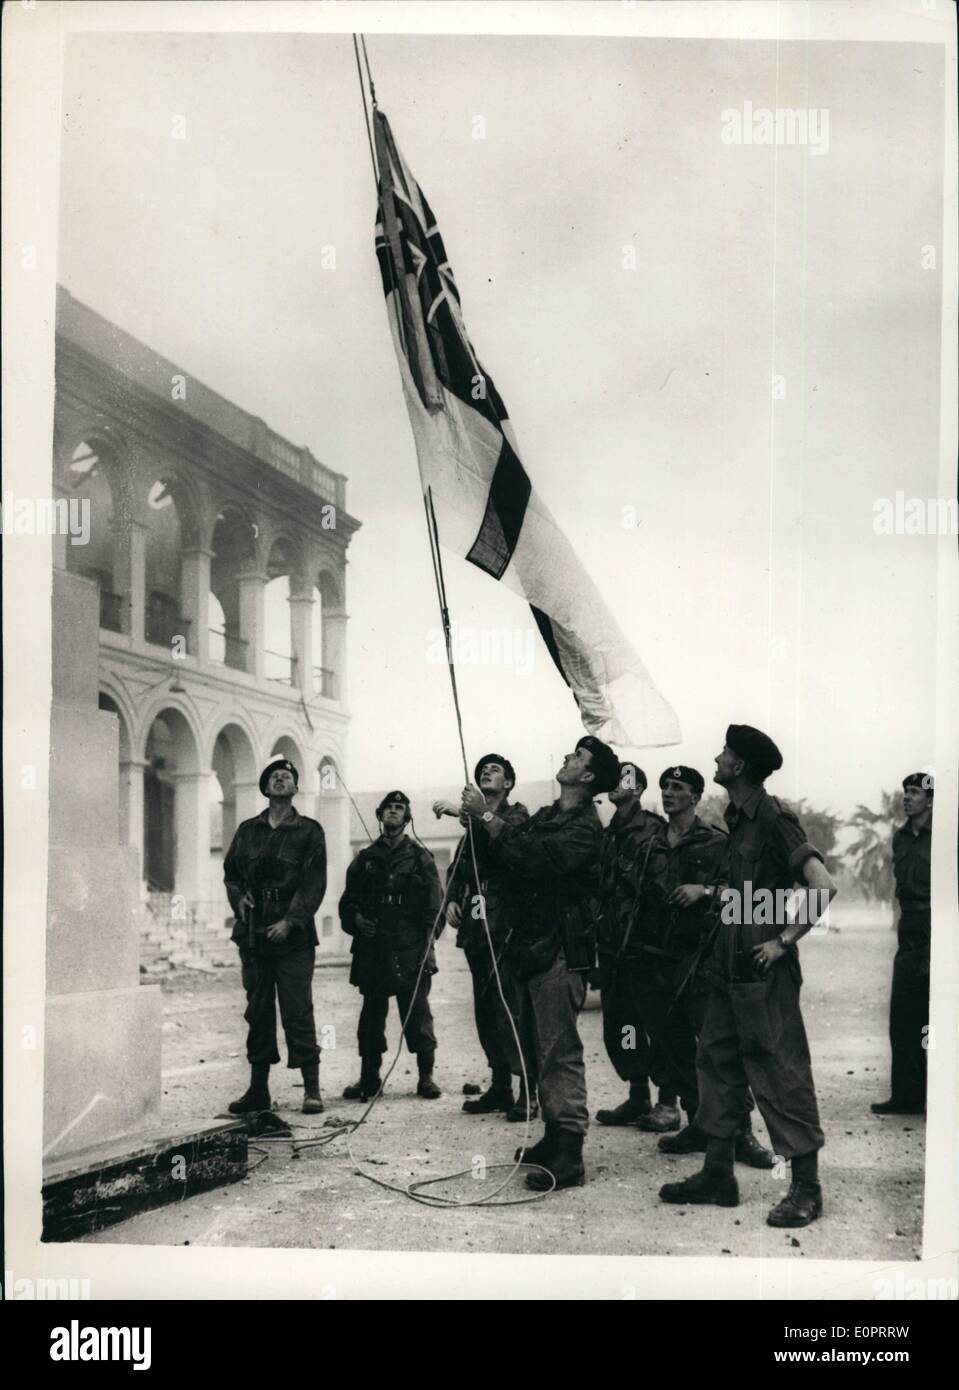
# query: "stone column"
{"type": "Point", "coordinates": [301, 629]}
{"type": "Point", "coordinates": [129, 576]}
{"type": "Point", "coordinates": [251, 586]}
{"type": "Point", "coordinates": [195, 599]}
{"type": "Point", "coordinates": [334, 652]}
{"type": "Point", "coordinates": [192, 823]}
{"type": "Point", "coordinates": [249, 802]}
{"type": "Point", "coordinates": [131, 805]}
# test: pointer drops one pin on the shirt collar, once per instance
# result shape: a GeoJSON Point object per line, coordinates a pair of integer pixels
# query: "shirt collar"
{"type": "Point", "coordinates": [292, 818]}
{"type": "Point", "coordinates": [748, 808]}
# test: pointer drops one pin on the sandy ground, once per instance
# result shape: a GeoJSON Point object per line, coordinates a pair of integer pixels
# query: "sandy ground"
{"type": "Point", "coordinates": [872, 1169]}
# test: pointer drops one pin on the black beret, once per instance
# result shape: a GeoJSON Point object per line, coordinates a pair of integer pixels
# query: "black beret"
{"type": "Point", "coordinates": [689, 775]}
{"type": "Point", "coordinates": [757, 748]}
{"type": "Point", "coordinates": [392, 796]}
{"type": "Point", "coordinates": [275, 766]}
{"type": "Point", "coordinates": [640, 774]}
{"type": "Point", "coordinates": [504, 763]}
{"type": "Point", "coordinates": [604, 763]}
{"type": "Point", "coordinates": [923, 780]}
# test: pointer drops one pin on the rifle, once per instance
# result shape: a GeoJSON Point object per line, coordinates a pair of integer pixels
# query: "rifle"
{"type": "Point", "coordinates": [637, 902]}
{"type": "Point", "coordinates": [702, 951]}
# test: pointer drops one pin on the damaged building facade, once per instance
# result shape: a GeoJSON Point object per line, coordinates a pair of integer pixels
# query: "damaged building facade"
{"type": "Point", "coordinates": [219, 552]}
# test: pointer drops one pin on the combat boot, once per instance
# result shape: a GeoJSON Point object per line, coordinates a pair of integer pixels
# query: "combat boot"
{"type": "Point", "coordinates": [564, 1165]}
{"type": "Point", "coordinates": [312, 1100]}
{"type": "Point", "coordinates": [801, 1205]}
{"type": "Point", "coordinates": [369, 1083]}
{"type": "Point", "coordinates": [895, 1106]}
{"type": "Point", "coordinates": [664, 1118]}
{"type": "Point", "coordinates": [688, 1141]}
{"type": "Point", "coordinates": [751, 1152]}
{"type": "Point", "coordinates": [631, 1110]}
{"type": "Point", "coordinates": [426, 1087]}
{"type": "Point", "coordinates": [257, 1095]}
{"type": "Point", "coordinates": [541, 1150]}
{"type": "Point", "coordinates": [499, 1096]}
{"type": "Point", "coordinates": [714, 1185]}
{"type": "Point", "coordinates": [517, 1113]}
{"type": "Point", "coordinates": [710, 1186]}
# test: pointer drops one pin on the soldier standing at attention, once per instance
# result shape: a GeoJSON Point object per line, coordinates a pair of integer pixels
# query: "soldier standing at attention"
{"type": "Point", "coordinates": [909, 1004]}
{"type": "Point", "coordinates": [389, 906]}
{"type": "Point", "coordinates": [753, 1034]}
{"type": "Point", "coordinates": [693, 861]}
{"type": "Point", "coordinates": [496, 778]}
{"type": "Point", "coordinates": [553, 866]}
{"type": "Point", "coordinates": [275, 876]}
{"type": "Point", "coordinates": [624, 873]}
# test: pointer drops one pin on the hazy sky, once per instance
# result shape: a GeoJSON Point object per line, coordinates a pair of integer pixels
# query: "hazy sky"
{"type": "Point", "coordinates": [753, 584]}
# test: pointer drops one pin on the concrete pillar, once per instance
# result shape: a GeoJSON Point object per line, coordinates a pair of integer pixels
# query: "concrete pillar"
{"type": "Point", "coordinates": [131, 804]}
{"type": "Point", "coordinates": [333, 813]}
{"type": "Point", "coordinates": [195, 599]}
{"type": "Point", "coordinates": [249, 802]}
{"type": "Point", "coordinates": [301, 629]}
{"type": "Point", "coordinates": [334, 653]}
{"type": "Point", "coordinates": [129, 576]}
{"type": "Point", "coordinates": [192, 822]}
{"type": "Point", "coordinates": [251, 586]}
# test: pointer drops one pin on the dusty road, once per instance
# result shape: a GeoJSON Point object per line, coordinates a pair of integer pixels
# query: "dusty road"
{"type": "Point", "coordinates": [872, 1168]}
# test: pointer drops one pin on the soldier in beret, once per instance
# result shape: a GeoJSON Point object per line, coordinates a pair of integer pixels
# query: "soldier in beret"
{"type": "Point", "coordinates": [753, 1034]}
{"type": "Point", "coordinates": [496, 778]}
{"type": "Point", "coordinates": [625, 890]}
{"type": "Point", "coordinates": [553, 866]}
{"type": "Point", "coordinates": [909, 1004]}
{"type": "Point", "coordinates": [275, 876]}
{"type": "Point", "coordinates": [389, 907]}
{"type": "Point", "coordinates": [690, 861]}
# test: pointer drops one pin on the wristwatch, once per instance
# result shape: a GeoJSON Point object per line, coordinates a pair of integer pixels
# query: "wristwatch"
{"type": "Point", "coordinates": [487, 817]}
{"type": "Point", "coordinates": [783, 943]}
{"type": "Point", "coordinates": [709, 889]}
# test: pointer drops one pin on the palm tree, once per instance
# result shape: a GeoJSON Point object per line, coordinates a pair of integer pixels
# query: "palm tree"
{"type": "Point", "coordinates": [871, 853]}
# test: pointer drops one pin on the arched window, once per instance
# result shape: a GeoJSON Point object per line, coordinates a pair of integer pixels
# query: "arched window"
{"type": "Point", "coordinates": [233, 555]}
{"type": "Point", "coordinates": [279, 663]}
{"type": "Point", "coordinates": [87, 478]}
{"type": "Point", "coordinates": [162, 571]}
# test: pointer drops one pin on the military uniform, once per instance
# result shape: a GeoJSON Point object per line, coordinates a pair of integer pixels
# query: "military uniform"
{"type": "Point", "coordinates": [909, 1004]}
{"type": "Point", "coordinates": [627, 894]}
{"type": "Point", "coordinates": [697, 858]}
{"type": "Point", "coordinates": [396, 886]}
{"type": "Point", "coordinates": [552, 861]}
{"type": "Point", "coordinates": [283, 868]}
{"type": "Point", "coordinates": [753, 1034]}
{"type": "Point", "coordinates": [492, 1020]}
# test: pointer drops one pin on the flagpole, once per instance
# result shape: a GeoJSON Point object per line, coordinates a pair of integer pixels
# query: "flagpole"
{"type": "Point", "coordinates": [366, 118]}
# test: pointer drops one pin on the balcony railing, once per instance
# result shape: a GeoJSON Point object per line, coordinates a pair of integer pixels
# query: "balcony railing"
{"type": "Point", "coordinates": [324, 682]}
{"type": "Point", "coordinates": [111, 611]}
{"type": "Point", "coordinates": [279, 667]}
{"type": "Point", "coordinates": [228, 649]}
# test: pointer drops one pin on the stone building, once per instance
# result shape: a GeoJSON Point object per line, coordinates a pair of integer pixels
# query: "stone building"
{"type": "Point", "coordinates": [219, 551]}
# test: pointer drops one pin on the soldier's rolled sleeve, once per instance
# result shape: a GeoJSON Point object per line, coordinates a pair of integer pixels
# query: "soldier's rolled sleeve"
{"type": "Point", "coordinates": [792, 846]}
{"type": "Point", "coordinates": [306, 900]}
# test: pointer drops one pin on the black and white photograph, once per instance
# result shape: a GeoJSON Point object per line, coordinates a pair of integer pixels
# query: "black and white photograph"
{"type": "Point", "coordinates": [481, 647]}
